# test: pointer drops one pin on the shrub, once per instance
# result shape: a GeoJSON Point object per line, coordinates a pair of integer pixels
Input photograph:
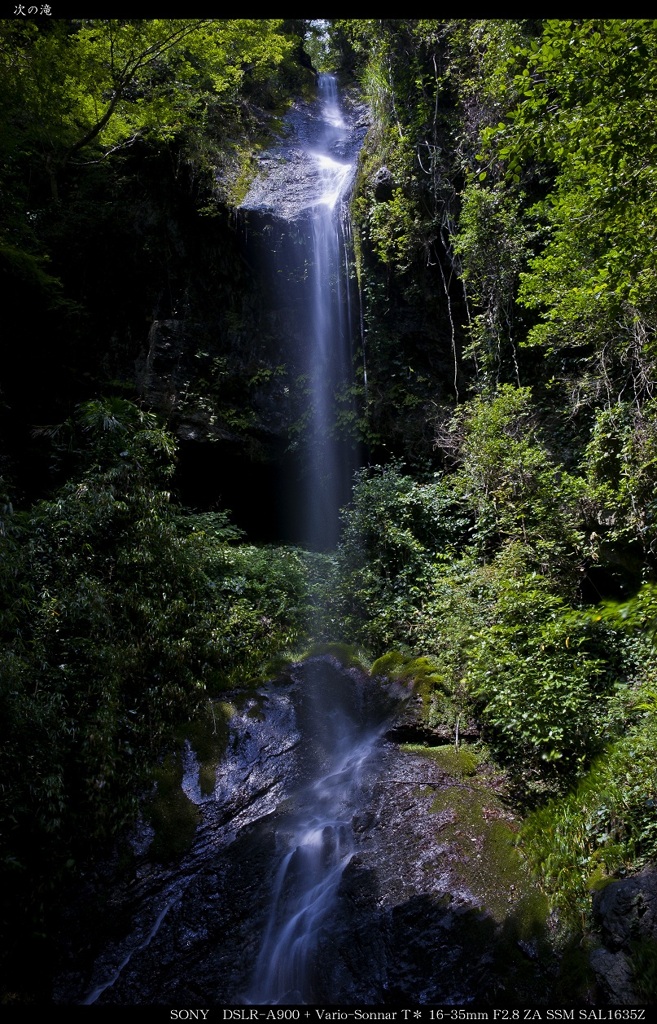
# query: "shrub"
{"type": "Point", "coordinates": [608, 824]}
{"type": "Point", "coordinates": [385, 563]}
{"type": "Point", "coordinates": [543, 675]}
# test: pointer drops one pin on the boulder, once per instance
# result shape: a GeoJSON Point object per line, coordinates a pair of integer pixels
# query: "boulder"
{"type": "Point", "coordinates": [383, 184]}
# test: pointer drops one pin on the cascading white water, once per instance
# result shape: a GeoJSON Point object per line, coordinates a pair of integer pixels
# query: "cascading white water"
{"type": "Point", "coordinates": [329, 343]}
{"type": "Point", "coordinates": [298, 210]}
{"type": "Point", "coordinates": [316, 839]}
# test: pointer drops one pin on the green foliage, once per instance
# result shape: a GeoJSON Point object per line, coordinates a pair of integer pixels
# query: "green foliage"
{"type": "Point", "coordinates": [459, 603]}
{"type": "Point", "coordinates": [543, 679]}
{"type": "Point", "coordinates": [544, 675]}
{"type": "Point", "coordinates": [637, 616]}
{"type": "Point", "coordinates": [537, 674]}
{"type": "Point", "coordinates": [262, 608]}
{"type": "Point", "coordinates": [577, 118]}
{"type": "Point", "coordinates": [606, 825]}
{"type": "Point", "coordinates": [318, 45]}
{"type": "Point", "coordinates": [20, 269]}
{"type": "Point", "coordinates": [118, 613]}
{"type": "Point", "coordinates": [504, 647]}
{"type": "Point", "coordinates": [592, 117]}
{"type": "Point", "coordinates": [493, 244]}
{"type": "Point", "coordinates": [511, 480]}
{"type": "Point", "coordinates": [385, 559]}
{"type": "Point", "coordinates": [620, 463]}
{"type": "Point", "coordinates": [83, 89]}
{"type": "Point", "coordinates": [109, 630]}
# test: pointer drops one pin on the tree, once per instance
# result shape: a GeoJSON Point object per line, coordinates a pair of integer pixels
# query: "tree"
{"type": "Point", "coordinates": [517, 491]}
{"type": "Point", "coordinates": [585, 106]}
{"type": "Point", "coordinates": [80, 90]}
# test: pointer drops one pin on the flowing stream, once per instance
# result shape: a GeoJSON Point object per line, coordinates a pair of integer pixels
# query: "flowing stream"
{"type": "Point", "coordinates": [317, 843]}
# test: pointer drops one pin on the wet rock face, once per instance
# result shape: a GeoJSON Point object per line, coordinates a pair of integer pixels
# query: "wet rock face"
{"type": "Point", "coordinates": [406, 923]}
{"type": "Point", "coordinates": [383, 185]}
{"type": "Point", "coordinates": [626, 915]}
{"type": "Point", "coordinates": [289, 181]}
{"type": "Point", "coordinates": [627, 909]}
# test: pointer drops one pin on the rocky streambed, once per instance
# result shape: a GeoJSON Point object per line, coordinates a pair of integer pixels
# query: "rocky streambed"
{"type": "Point", "coordinates": [431, 905]}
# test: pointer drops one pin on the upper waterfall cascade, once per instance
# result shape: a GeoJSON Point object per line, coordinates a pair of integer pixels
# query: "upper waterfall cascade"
{"type": "Point", "coordinates": [298, 205]}
{"type": "Point", "coordinates": [314, 162]}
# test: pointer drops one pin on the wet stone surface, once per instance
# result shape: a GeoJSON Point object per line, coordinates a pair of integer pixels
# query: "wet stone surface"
{"type": "Point", "coordinates": [406, 923]}
{"type": "Point", "coordinates": [407, 907]}
{"type": "Point", "coordinates": [289, 182]}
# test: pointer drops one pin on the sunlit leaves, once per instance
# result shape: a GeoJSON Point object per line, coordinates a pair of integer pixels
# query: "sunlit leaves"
{"type": "Point", "coordinates": [508, 476]}
{"type": "Point", "coordinates": [608, 823]}
{"type": "Point", "coordinates": [542, 676]}
{"type": "Point", "coordinates": [90, 86]}
{"type": "Point", "coordinates": [587, 107]}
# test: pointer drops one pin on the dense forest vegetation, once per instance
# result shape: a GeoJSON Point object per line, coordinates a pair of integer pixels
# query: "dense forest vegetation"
{"type": "Point", "coordinates": [501, 547]}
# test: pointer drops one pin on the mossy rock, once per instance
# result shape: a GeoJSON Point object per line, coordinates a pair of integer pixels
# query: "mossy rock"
{"type": "Point", "coordinates": [491, 863]}
{"type": "Point", "coordinates": [599, 878]}
{"type": "Point", "coordinates": [389, 665]}
{"type": "Point", "coordinates": [348, 655]}
{"type": "Point", "coordinates": [172, 814]}
{"type": "Point", "coordinates": [460, 762]}
{"type": "Point", "coordinates": [476, 833]}
{"type": "Point", "coordinates": [208, 736]}
{"type": "Point", "coordinates": [423, 670]}
{"type": "Point", "coordinates": [424, 673]}
{"type": "Point", "coordinates": [477, 824]}
{"type": "Point", "coordinates": [279, 665]}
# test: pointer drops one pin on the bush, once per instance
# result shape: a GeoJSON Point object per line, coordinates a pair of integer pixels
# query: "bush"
{"type": "Point", "coordinates": [118, 613]}
{"type": "Point", "coordinates": [543, 675]}
{"type": "Point", "coordinates": [513, 485]}
{"type": "Point", "coordinates": [393, 531]}
{"type": "Point", "coordinates": [607, 825]}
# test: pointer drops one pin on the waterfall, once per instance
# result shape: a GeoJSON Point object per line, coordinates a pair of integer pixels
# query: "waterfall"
{"type": "Point", "coordinates": [329, 328]}
{"type": "Point", "coordinates": [315, 839]}
{"type": "Point", "coordinates": [302, 219]}
{"type": "Point", "coordinates": [324, 868]}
